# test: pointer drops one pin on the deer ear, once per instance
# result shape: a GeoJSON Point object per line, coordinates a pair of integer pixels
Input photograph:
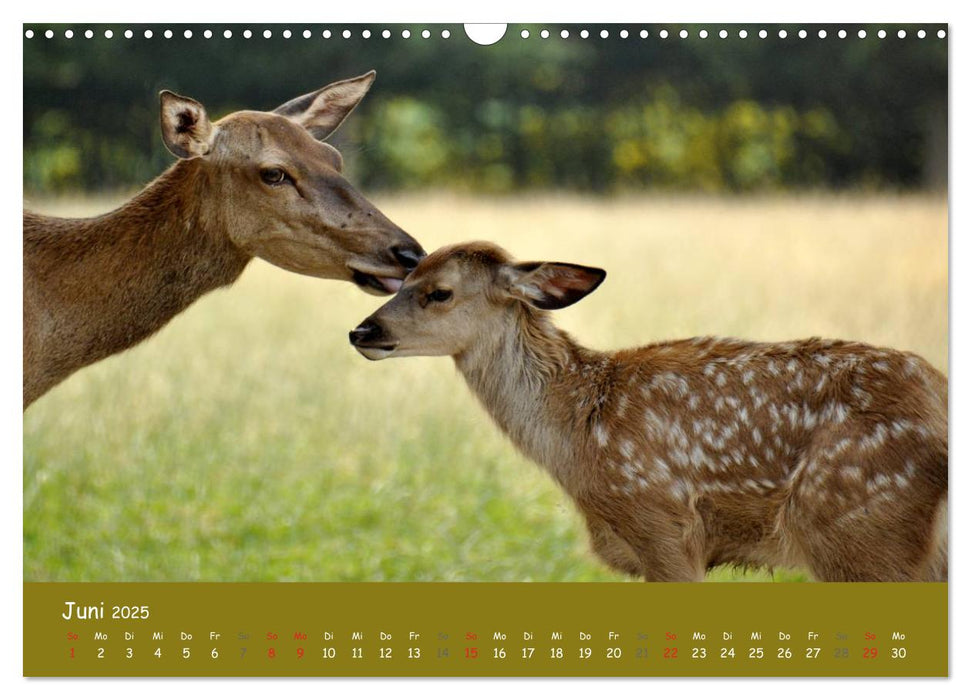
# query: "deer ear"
{"type": "Point", "coordinates": [549, 285]}
{"type": "Point", "coordinates": [321, 112]}
{"type": "Point", "coordinates": [186, 128]}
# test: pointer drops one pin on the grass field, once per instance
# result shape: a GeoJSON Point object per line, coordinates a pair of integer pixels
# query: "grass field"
{"type": "Point", "coordinates": [249, 441]}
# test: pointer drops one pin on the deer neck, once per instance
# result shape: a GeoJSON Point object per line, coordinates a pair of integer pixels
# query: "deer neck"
{"type": "Point", "coordinates": [534, 380]}
{"type": "Point", "coordinates": [112, 280]}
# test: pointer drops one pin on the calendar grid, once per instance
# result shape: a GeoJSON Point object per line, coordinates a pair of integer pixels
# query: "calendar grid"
{"type": "Point", "coordinates": [482, 629]}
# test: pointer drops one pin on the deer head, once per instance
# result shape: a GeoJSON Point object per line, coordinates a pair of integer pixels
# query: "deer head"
{"type": "Point", "coordinates": [279, 191]}
{"type": "Point", "coordinates": [461, 294]}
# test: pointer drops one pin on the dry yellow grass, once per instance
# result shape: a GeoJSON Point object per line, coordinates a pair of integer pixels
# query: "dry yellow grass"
{"type": "Point", "coordinates": [866, 268]}
{"type": "Point", "coordinates": [248, 441]}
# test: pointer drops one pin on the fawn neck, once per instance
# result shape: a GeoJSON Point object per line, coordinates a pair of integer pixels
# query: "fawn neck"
{"type": "Point", "coordinates": [540, 387]}
{"type": "Point", "coordinates": [112, 280]}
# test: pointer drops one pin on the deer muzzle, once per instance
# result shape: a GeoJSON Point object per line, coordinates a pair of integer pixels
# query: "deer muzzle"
{"type": "Point", "coordinates": [370, 340]}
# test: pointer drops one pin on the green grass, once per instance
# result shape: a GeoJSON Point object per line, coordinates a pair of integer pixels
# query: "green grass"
{"type": "Point", "coordinates": [249, 442]}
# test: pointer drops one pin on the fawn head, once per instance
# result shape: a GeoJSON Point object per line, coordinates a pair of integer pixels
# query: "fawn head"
{"type": "Point", "coordinates": [462, 293]}
{"type": "Point", "coordinates": [279, 189]}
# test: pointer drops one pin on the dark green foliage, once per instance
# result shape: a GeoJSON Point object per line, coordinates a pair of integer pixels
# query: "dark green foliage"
{"type": "Point", "coordinates": [586, 114]}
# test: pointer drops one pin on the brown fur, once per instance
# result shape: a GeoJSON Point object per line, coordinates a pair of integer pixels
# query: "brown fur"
{"type": "Point", "coordinates": [683, 455]}
{"type": "Point", "coordinates": [94, 287]}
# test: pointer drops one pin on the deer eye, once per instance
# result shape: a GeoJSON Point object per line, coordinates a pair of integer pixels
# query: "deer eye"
{"type": "Point", "coordinates": [274, 176]}
{"type": "Point", "coordinates": [440, 295]}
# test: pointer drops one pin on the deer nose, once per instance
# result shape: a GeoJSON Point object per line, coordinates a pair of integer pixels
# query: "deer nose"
{"type": "Point", "coordinates": [366, 332]}
{"type": "Point", "coordinates": [408, 257]}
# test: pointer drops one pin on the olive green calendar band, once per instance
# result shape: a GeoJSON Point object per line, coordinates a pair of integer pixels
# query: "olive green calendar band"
{"type": "Point", "coordinates": [485, 629]}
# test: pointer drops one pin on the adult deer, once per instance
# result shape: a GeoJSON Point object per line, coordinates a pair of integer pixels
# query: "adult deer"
{"type": "Point", "coordinates": [683, 455]}
{"type": "Point", "coordinates": [251, 184]}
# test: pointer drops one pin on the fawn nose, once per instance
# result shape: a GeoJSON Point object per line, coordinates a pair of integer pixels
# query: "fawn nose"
{"type": "Point", "coordinates": [367, 332]}
{"type": "Point", "coordinates": [408, 256]}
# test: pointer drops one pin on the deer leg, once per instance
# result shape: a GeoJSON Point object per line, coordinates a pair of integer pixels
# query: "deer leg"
{"type": "Point", "coordinates": [663, 547]}
{"type": "Point", "coordinates": [662, 541]}
{"type": "Point", "coordinates": [936, 568]}
{"type": "Point", "coordinates": [870, 510]}
{"type": "Point", "coordinates": [670, 568]}
{"type": "Point", "coordinates": [611, 548]}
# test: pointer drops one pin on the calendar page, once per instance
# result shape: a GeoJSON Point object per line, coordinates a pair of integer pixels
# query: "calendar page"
{"type": "Point", "coordinates": [526, 350]}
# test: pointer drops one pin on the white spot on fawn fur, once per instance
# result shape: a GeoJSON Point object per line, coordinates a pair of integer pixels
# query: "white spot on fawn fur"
{"type": "Point", "coordinates": [853, 472]}
{"type": "Point", "coordinates": [679, 489]}
{"type": "Point", "coordinates": [656, 426]}
{"type": "Point", "coordinates": [874, 441]}
{"type": "Point", "coordinates": [622, 405]}
{"type": "Point", "coordinates": [674, 384]}
{"type": "Point", "coordinates": [758, 398]}
{"type": "Point", "coordinates": [601, 434]}
{"type": "Point", "coordinates": [834, 412]}
{"type": "Point", "coordinates": [911, 366]}
{"type": "Point", "coordinates": [899, 427]}
{"type": "Point", "coordinates": [663, 470]}
{"type": "Point", "coordinates": [698, 458]}
{"type": "Point", "coordinates": [878, 483]}
{"type": "Point", "coordinates": [862, 396]}
{"type": "Point", "coordinates": [808, 419]}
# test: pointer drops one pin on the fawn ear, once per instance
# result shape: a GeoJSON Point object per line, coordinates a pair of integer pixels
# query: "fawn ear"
{"type": "Point", "coordinates": [549, 285]}
{"type": "Point", "coordinates": [321, 112]}
{"type": "Point", "coordinates": [186, 128]}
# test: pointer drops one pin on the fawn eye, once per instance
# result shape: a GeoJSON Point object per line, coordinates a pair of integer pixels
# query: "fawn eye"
{"type": "Point", "coordinates": [440, 295]}
{"type": "Point", "coordinates": [274, 176]}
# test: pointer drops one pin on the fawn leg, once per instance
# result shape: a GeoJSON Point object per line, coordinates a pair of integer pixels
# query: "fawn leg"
{"type": "Point", "coordinates": [663, 546]}
{"type": "Point", "coordinates": [611, 548]}
{"type": "Point", "coordinates": [871, 510]}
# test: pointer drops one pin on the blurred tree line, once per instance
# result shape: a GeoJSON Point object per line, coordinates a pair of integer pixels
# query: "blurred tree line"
{"type": "Point", "coordinates": [586, 114]}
